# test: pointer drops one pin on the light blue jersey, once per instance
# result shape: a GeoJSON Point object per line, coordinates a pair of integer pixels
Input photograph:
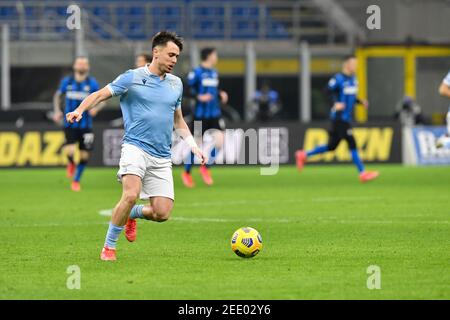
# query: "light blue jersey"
{"type": "Point", "coordinates": [148, 105]}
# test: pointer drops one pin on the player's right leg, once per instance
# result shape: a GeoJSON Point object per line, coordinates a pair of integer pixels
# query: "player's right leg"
{"type": "Point", "coordinates": [186, 176]}
{"type": "Point", "coordinates": [69, 149]}
{"type": "Point", "coordinates": [334, 137]}
{"type": "Point", "coordinates": [217, 134]}
{"type": "Point", "coordinates": [131, 172]}
{"type": "Point", "coordinates": [131, 186]}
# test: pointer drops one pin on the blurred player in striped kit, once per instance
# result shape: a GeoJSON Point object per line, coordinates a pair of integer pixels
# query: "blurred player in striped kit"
{"type": "Point", "coordinates": [203, 83]}
{"type": "Point", "coordinates": [344, 89]}
{"type": "Point", "coordinates": [75, 88]}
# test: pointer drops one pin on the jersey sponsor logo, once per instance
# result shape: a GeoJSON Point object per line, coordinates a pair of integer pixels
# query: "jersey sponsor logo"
{"type": "Point", "coordinates": [76, 95]}
{"type": "Point", "coordinates": [351, 90]}
{"type": "Point", "coordinates": [210, 82]}
{"type": "Point", "coordinates": [374, 144]}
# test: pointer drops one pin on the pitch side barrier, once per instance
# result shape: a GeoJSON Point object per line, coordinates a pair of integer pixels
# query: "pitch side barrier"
{"type": "Point", "coordinates": [263, 144]}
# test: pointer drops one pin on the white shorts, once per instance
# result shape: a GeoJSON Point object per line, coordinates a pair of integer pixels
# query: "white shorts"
{"type": "Point", "coordinates": [155, 173]}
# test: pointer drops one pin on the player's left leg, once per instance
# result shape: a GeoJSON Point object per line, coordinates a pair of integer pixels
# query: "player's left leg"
{"type": "Point", "coordinates": [157, 185]}
{"type": "Point", "coordinates": [69, 149]}
{"type": "Point", "coordinates": [218, 137]}
{"type": "Point", "coordinates": [84, 157]}
{"type": "Point", "coordinates": [334, 137]}
{"type": "Point", "coordinates": [186, 176]}
{"type": "Point", "coordinates": [86, 143]}
{"type": "Point", "coordinates": [157, 210]}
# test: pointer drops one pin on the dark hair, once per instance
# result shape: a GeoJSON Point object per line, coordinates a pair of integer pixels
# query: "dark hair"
{"type": "Point", "coordinates": [162, 37]}
{"type": "Point", "coordinates": [348, 57]}
{"type": "Point", "coordinates": [147, 57]}
{"type": "Point", "coordinates": [204, 54]}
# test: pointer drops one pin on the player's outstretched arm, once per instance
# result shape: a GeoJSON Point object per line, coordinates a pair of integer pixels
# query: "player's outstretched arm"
{"type": "Point", "coordinates": [183, 131]}
{"type": "Point", "coordinates": [57, 113]}
{"type": "Point", "coordinates": [89, 102]}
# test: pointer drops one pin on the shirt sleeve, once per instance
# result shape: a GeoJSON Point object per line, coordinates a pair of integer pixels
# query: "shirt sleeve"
{"type": "Point", "coordinates": [62, 89]}
{"type": "Point", "coordinates": [121, 84]}
{"type": "Point", "coordinates": [447, 80]}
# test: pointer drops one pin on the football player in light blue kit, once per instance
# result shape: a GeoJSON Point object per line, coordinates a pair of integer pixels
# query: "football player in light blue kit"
{"type": "Point", "coordinates": [444, 90]}
{"type": "Point", "coordinates": [150, 99]}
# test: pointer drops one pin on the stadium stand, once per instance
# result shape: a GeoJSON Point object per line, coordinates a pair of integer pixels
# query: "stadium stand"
{"type": "Point", "coordinates": [134, 20]}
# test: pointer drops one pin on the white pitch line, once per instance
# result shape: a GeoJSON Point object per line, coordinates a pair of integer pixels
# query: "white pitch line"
{"type": "Point", "coordinates": [262, 202]}
{"type": "Point", "coordinates": [108, 212]}
{"type": "Point", "coordinates": [242, 221]}
{"type": "Point", "coordinates": [337, 199]}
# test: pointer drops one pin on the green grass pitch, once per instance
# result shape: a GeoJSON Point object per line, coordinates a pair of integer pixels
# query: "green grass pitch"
{"type": "Point", "coordinates": [321, 231]}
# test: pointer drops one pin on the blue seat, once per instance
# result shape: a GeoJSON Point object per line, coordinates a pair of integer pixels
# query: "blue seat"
{"type": "Point", "coordinates": [137, 11]}
{"type": "Point", "coordinates": [8, 12]}
{"type": "Point", "coordinates": [208, 19]}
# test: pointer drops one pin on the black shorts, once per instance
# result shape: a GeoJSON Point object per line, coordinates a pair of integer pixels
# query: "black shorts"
{"type": "Point", "coordinates": [214, 123]}
{"type": "Point", "coordinates": [84, 137]}
{"type": "Point", "coordinates": [341, 130]}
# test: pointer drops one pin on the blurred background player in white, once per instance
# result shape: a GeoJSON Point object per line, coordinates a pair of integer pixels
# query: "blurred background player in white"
{"type": "Point", "coordinates": [344, 89]}
{"type": "Point", "coordinates": [203, 84]}
{"type": "Point", "coordinates": [76, 87]}
{"type": "Point", "coordinates": [444, 90]}
{"type": "Point", "coordinates": [142, 59]}
{"type": "Point", "coordinates": [150, 99]}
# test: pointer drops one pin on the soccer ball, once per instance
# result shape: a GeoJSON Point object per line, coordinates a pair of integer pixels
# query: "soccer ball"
{"type": "Point", "coordinates": [246, 242]}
